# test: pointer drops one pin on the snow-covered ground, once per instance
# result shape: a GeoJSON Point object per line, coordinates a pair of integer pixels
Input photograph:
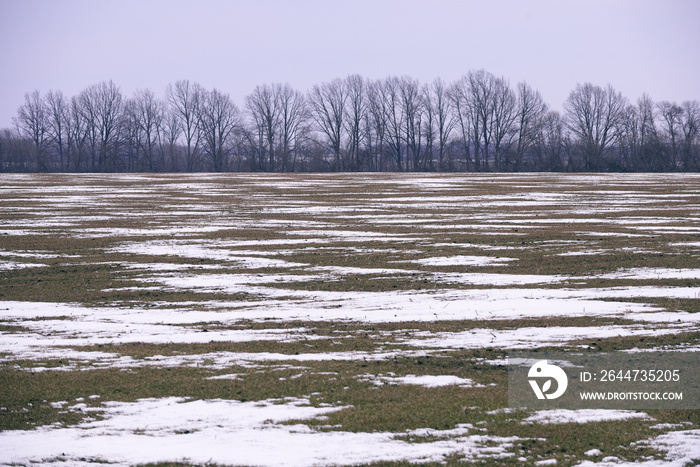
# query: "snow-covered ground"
{"type": "Point", "coordinates": [262, 244]}
{"type": "Point", "coordinates": [225, 432]}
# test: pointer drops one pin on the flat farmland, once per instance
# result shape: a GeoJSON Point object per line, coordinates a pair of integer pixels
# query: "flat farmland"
{"type": "Point", "coordinates": [265, 319]}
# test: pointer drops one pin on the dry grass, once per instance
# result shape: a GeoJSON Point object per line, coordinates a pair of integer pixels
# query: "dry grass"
{"type": "Point", "coordinates": [489, 217]}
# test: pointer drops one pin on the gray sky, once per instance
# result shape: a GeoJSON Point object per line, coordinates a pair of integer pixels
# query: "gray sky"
{"type": "Point", "coordinates": [637, 46]}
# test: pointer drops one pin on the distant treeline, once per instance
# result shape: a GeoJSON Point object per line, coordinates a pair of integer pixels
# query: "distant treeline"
{"type": "Point", "coordinates": [479, 123]}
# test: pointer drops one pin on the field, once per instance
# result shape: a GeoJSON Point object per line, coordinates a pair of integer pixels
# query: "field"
{"type": "Point", "coordinates": [334, 319]}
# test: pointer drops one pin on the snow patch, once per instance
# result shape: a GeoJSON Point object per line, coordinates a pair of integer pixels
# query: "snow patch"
{"type": "Point", "coordinates": [558, 416]}
{"type": "Point", "coordinates": [464, 261]}
{"type": "Point", "coordinates": [203, 431]}
{"type": "Point", "coordinates": [428, 381]}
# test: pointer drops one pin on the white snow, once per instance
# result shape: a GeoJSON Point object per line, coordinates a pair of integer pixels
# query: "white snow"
{"type": "Point", "coordinates": [527, 337]}
{"type": "Point", "coordinates": [194, 250]}
{"type": "Point", "coordinates": [464, 261]}
{"type": "Point", "coordinates": [428, 381]}
{"type": "Point", "coordinates": [680, 448]}
{"type": "Point", "coordinates": [559, 416]}
{"type": "Point", "coordinates": [355, 236]}
{"type": "Point", "coordinates": [12, 265]}
{"type": "Point", "coordinates": [34, 254]}
{"type": "Point", "coordinates": [446, 304]}
{"type": "Point", "coordinates": [651, 274]}
{"type": "Point", "coordinates": [226, 432]}
{"type": "Point", "coordinates": [407, 219]}
{"type": "Point", "coordinates": [66, 325]}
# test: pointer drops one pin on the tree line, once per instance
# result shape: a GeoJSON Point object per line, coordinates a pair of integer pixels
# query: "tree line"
{"type": "Point", "coordinates": [478, 123]}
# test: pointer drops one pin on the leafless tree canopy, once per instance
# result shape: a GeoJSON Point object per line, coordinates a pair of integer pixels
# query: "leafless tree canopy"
{"type": "Point", "coordinates": [477, 123]}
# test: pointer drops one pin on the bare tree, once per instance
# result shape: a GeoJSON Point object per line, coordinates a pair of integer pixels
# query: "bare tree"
{"type": "Point", "coordinates": [278, 115]}
{"type": "Point", "coordinates": [355, 89]}
{"type": "Point", "coordinates": [102, 106]}
{"type": "Point", "coordinates": [389, 94]}
{"type": "Point", "coordinates": [639, 145]}
{"type": "Point", "coordinates": [628, 147]}
{"type": "Point", "coordinates": [171, 131]}
{"type": "Point", "coordinates": [647, 118]}
{"type": "Point", "coordinates": [429, 125]}
{"type": "Point", "coordinates": [690, 128]}
{"type": "Point", "coordinates": [78, 133]}
{"type": "Point", "coordinates": [531, 111]}
{"type": "Point", "coordinates": [185, 100]}
{"type": "Point", "coordinates": [478, 123]}
{"type": "Point", "coordinates": [504, 114]}
{"type": "Point", "coordinates": [671, 122]}
{"type": "Point", "coordinates": [440, 120]}
{"type": "Point", "coordinates": [293, 118]}
{"type": "Point", "coordinates": [262, 106]}
{"type": "Point", "coordinates": [16, 152]}
{"type": "Point", "coordinates": [132, 136]}
{"type": "Point", "coordinates": [59, 117]}
{"type": "Point", "coordinates": [550, 143]}
{"type": "Point", "coordinates": [465, 120]}
{"type": "Point", "coordinates": [6, 138]}
{"type": "Point", "coordinates": [149, 115]}
{"type": "Point", "coordinates": [33, 122]}
{"type": "Point", "coordinates": [412, 111]}
{"type": "Point", "coordinates": [5, 145]}
{"type": "Point", "coordinates": [376, 123]}
{"type": "Point", "coordinates": [218, 119]}
{"type": "Point", "coordinates": [88, 108]}
{"type": "Point", "coordinates": [327, 109]}
{"type": "Point", "coordinates": [486, 113]}
{"type": "Point", "coordinates": [649, 148]}
{"type": "Point", "coordinates": [481, 94]}
{"type": "Point", "coordinates": [593, 115]}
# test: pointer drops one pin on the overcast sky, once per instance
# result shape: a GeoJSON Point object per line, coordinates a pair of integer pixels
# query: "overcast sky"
{"type": "Point", "coordinates": [635, 45]}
